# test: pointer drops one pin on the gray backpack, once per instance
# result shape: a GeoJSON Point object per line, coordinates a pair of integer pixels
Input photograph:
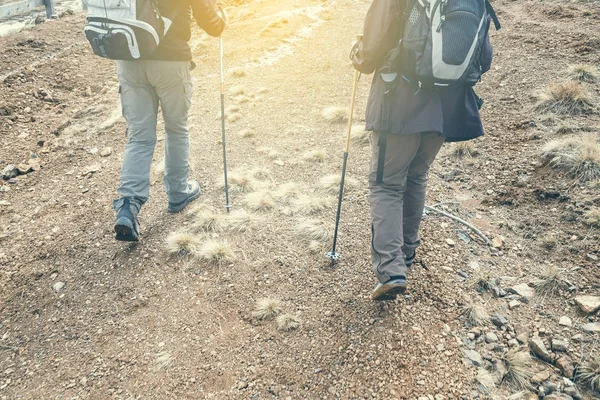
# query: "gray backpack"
{"type": "Point", "coordinates": [125, 29]}
{"type": "Point", "coordinates": [442, 41]}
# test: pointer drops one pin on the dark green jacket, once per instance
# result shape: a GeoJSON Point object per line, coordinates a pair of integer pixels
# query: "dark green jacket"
{"type": "Point", "coordinates": [174, 46]}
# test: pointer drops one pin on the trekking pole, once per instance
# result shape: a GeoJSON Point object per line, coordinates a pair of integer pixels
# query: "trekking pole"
{"type": "Point", "coordinates": [332, 255]}
{"type": "Point", "coordinates": [223, 139]}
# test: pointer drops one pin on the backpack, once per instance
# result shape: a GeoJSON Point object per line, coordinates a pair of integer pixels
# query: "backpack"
{"type": "Point", "coordinates": [125, 29]}
{"type": "Point", "coordinates": [442, 41]}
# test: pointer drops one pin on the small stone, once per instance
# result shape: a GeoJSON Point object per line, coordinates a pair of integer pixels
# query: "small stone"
{"type": "Point", "coordinates": [474, 357]}
{"type": "Point", "coordinates": [514, 304]}
{"type": "Point", "coordinates": [592, 257]}
{"type": "Point", "coordinates": [524, 291]}
{"type": "Point", "coordinates": [242, 385]}
{"type": "Point", "coordinates": [559, 345]}
{"type": "Point", "coordinates": [565, 321]}
{"type": "Point", "coordinates": [5, 203]}
{"type": "Point", "coordinates": [573, 392]}
{"type": "Point", "coordinates": [450, 242]}
{"type": "Point", "coordinates": [498, 242]}
{"type": "Point", "coordinates": [498, 320]}
{"type": "Point", "coordinates": [90, 169]}
{"type": "Point", "coordinates": [541, 376]}
{"type": "Point", "coordinates": [593, 327]}
{"type": "Point", "coordinates": [539, 349]}
{"type": "Point", "coordinates": [577, 338]}
{"type": "Point", "coordinates": [10, 172]}
{"type": "Point", "coordinates": [513, 343]}
{"type": "Point", "coordinates": [107, 151]}
{"type": "Point", "coordinates": [588, 304]}
{"type": "Point", "coordinates": [566, 366]}
{"type": "Point", "coordinates": [558, 396]}
{"type": "Point", "coordinates": [491, 337]}
{"type": "Point", "coordinates": [58, 286]}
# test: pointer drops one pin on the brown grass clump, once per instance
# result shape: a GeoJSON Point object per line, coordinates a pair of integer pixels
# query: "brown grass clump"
{"type": "Point", "coordinates": [331, 183]}
{"type": "Point", "coordinates": [240, 182]}
{"type": "Point", "coordinates": [464, 150]}
{"type": "Point", "coordinates": [316, 156]}
{"type": "Point", "coordinates": [288, 322]}
{"type": "Point", "coordinates": [208, 221]}
{"type": "Point", "coordinates": [274, 25]}
{"type": "Point", "coordinates": [588, 373]}
{"type": "Point", "coordinates": [568, 98]}
{"type": "Point", "coordinates": [584, 73]}
{"type": "Point", "coordinates": [550, 283]}
{"type": "Point", "coordinates": [237, 72]}
{"type": "Point", "coordinates": [577, 156]}
{"type": "Point", "coordinates": [480, 280]}
{"type": "Point", "coordinates": [266, 309]}
{"type": "Point", "coordinates": [592, 217]}
{"type": "Point", "coordinates": [261, 201]}
{"type": "Point", "coordinates": [239, 221]}
{"type": "Point", "coordinates": [260, 173]}
{"type": "Point", "coordinates": [312, 229]}
{"type": "Point", "coordinates": [216, 252]}
{"type": "Point", "coordinates": [246, 133]}
{"type": "Point", "coordinates": [475, 314]}
{"type": "Point", "coordinates": [486, 381]}
{"type": "Point", "coordinates": [237, 91]}
{"type": "Point", "coordinates": [360, 136]}
{"type": "Point", "coordinates": [309, 204]}
{"type": "Point", "coordinates": [519, 369]}
{"type": "Point", "coordinates": [286, 192]}
{"type": "Point", "coordinates": [336, 114]}
{"type": "Point", "coordinates": [182, 244]}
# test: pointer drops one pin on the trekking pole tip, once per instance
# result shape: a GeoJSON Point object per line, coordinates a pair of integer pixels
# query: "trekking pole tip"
{"type": "Point", "coordinates": [333, 257]}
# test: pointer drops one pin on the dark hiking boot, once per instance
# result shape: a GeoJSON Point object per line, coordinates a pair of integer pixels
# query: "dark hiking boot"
{"type": "Point", "coordinates": [408, 261]}
{"type": "Point", "coordinates": [390, 289]}
{"type": "Point", "coordinates": [193, 192]}
{"type": "Point", "coordinates": [127, 224]}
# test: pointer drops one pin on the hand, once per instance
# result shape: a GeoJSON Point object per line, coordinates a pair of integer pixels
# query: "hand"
{"type": "Point", "coordinates": [355, 48]}
{"type": "Point", "coordinates": [222, 14]}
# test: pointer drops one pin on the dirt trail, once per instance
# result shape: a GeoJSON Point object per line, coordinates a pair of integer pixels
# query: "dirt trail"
{"type": "Point", "coordinates": [82, 316]}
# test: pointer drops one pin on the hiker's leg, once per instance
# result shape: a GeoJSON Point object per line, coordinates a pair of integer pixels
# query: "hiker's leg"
{"type": "Point", "coordinates": [416, 187]}
{"type": "Point", "coordinates": [173, 84]}
{"type": "Point", "coordinates": [387, 259]}
{"type": "Point", "coordinates": [140, 107]}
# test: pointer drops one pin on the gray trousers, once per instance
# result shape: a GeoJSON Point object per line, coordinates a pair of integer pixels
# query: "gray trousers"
{"type": "Point", "coordinates": [145, 85]}
{"type": "Point", "coordinates": [397, 204]}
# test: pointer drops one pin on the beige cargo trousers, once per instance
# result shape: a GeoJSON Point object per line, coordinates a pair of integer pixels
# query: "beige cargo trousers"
{"type": "Point", "coordinates": [144, 85]}
{"type": "Point", "coordinates": [397, 204]}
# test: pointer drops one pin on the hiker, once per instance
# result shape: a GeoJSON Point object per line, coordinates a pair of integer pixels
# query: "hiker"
{"type": "Point", "coordinates": [412, 112]}
{"type": "Point", "coordinates": [162, 78]}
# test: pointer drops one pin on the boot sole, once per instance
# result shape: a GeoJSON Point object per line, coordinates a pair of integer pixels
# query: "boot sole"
{"type": "Point", "coordinates": [388, 292]}
{"type": "Point", "coordinates": [124, 231]}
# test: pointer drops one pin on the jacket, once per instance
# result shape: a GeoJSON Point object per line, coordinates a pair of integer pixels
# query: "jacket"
{"type": "Point", "coordinates": [454, 113]}
{"type": "Point", "coordinates": [174, 46]}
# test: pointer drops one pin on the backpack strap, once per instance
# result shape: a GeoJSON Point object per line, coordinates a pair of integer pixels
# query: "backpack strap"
{"type": "Point", "coordinates": [492, 12]}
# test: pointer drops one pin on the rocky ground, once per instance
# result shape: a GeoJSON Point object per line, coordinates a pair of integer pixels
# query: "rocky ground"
{"type": "Point", "coordinates": [247, 306]}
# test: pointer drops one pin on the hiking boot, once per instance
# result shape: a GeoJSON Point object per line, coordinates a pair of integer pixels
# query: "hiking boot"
{"type": "Point", "coordinates": [390, 289]}
{"type": "Point", "coordinates": [408, 261]}
{"type": "Point", "coordinates": [127, 224]}
{"type": "Point", "coordinates": [192, 191]}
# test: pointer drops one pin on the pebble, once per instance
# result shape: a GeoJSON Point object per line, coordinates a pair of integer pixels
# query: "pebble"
{"type": "Point", "coordinates": [588, 304]}
{"type": "Point", "coordinates": [10, 172]}
{"type": "Point", "coordinates": [491, 337]}
{"type": "Point", "coordinates": [566, 366]}
{"type": "Point", "coordinates": [573, 392]}
{"type": "Point", "coordinates": [539, 349]}
{"type": "Point", "coordinates": [58, 286]}
{"type": "Point", "coordinates": [524, 291]}
{"type": "Point", "coordinates": [107, 151]}
{"type": "Point", "coordinates": [513, 343]}
{"type": "Point", "coordinates": [450, 242]}
{"type": "Point", "coordinates": [474, 357]}
{"type": "Point", "coordinates": [514, 304]}
{"type": "Point", "coordinates": [559, 345]}
{"type": "Point", "coordinates": [498, 320]}
{"type": "Point", "coordinates": [498, 242]}
{"type": "Point", "coordinates": [558, 396]}
{"type": "Point", "coordinates": [565, 321]}
{"type": "Point", "coordinates": [593, 327]}
{"type": "Point", "coordinates": [541, 376]}
{"type": "Point", "coordinates": [577, 338]}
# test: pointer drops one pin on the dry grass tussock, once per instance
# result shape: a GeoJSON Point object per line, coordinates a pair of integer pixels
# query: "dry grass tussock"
{"type": "Point", "coordinates": [313, 230]}
{"type": "Point", "coordinates": [246, 133]}
{"type": "Point", "coordinates": [274, 25]}
{"type": "Point", "coordinates": [577, 156]}
{"type": "Point", "coordinates": [550, 283]}
{"type": "Point", "coordinates": [261, 201]}
{"type": "Point", "coordinates": [480, 279]}
{"type": "Point", "coordinates": [182, 244]}
{"type": "Point", "coordinates": [592, 217]}
{"type": "Point", "coordinates": [240, 181]}
{"type": "Point", "coordinates": [286, 192]}
{"type": "Point", "coordinates": [208, 221]}
{"type": "Point", "coordinates": [519, 369]}
{"type": "Point", "coordinates": [331, 183]}
{"type": "Point", "coordinates": [239, 221]}
{"type": "Point", "coordinates": [486, 381]}
{"type": "Point", "coordinates": [584, 73]}
{"type": "Point", "coordinates": [588, 373]}
{"type": "Point", "coordinates": [216, 252]}
{"type": "Point", "coordinates": [260, 173]}
{"type": "Point", "coordinates": [238, 72]}
{"type": "Point", "coordinates": [316, 156]}
{"type": "Point", "coordinates": [475, 314]}
{"type": "Point", "coordinates": [311, 204]}
{"type": "Point", "coordinates": [288, 322]}
{"type": "Point", "coordinates": [359, 135]}
{"type": "Point", "coordinates": [237, 91]}
{"type": "Point", "coordinates": [336, 114]}
{"type": "Point", "coordinates": [266, 309]}
{"type": "Point", "coordinates": [464, 150]}
{"type": "Point", "coordinates": [271, 153]}
{"type": "Point", "coordinates": [317, 247]}
{"type": "Point", "coordinates": [569, 98]}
